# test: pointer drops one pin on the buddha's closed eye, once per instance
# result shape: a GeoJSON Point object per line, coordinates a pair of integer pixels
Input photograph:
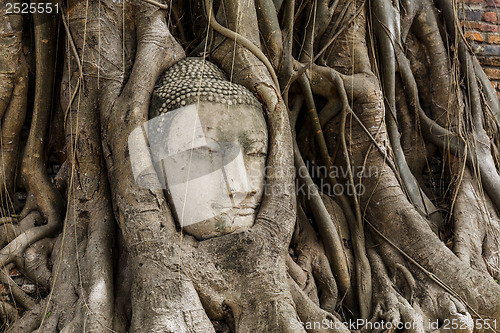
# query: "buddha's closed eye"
{"type": "Point", "coordinates": [216, 153]}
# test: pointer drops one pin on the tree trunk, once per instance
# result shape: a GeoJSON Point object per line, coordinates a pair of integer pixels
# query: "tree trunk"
{"type": "Point", "coordinates": [381, 202]}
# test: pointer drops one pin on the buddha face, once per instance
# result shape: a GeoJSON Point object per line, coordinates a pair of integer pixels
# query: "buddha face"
{"type": "Point", "coordinates": [211, 158]}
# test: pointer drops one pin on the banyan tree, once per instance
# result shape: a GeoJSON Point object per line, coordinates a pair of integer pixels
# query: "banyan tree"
{"type": "Point", "coordinates": [246, 166]}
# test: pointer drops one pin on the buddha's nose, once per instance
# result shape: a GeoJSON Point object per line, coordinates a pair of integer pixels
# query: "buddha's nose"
{"type": "Point", "coordinates": [235, 175]}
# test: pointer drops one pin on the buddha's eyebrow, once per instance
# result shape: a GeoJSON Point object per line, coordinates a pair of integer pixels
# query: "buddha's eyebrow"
{"type": "Point", "coordinates": [253, 132]}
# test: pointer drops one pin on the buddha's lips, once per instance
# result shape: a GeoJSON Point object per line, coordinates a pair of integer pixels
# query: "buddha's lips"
{"type": "Point", "coordinates": [235, 207]}
{"type": "Point", "coordinates": [245, 211]}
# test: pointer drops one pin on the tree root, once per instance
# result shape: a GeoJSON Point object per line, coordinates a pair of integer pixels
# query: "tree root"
{"type": "Point", "coordinates": [19, 296]}
{"type": "Point", "coordinates": [388, 35]}
{"type": "Point", "coordinates": [476, 239]}
{"type": "Point", "coordinates": [390, 306]}
{"type": "Point", "coordinates": [310, 314]}
{"type": "Point", "coordinates": [48, 200]}
{"type": "Point", "coordinates": [13, 104]}
{"type": "Point", "coordinates": [8, 313]}
{"type": "Point", "coordinates": [330, 237]}
{"type": "Point", "coordinates": [382, 198]}
{"type": "Point", "coordinates": [431, 309]}
{"type": "Point", "coordinates": [312, 260]}
{"type": "Point", "coordinates": [36, 264]}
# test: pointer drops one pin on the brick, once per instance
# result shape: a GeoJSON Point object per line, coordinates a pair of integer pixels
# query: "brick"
{"type": "Point", "coordinates": [471, 25]}
{"type": "Point", "coordinates": [491, 50]}
{"type": "Point", "coordinates": [14, 273]}
{"type": "Point", "coordinates": [490, 17]}
{"type": "Point", "coordinates": [482, 26]}
{"type": "Point", "coordinates": [471, 15]}
{"type": "Point", "coordinates": [489, 27]}
{"type": "Point", "coordinates": [481, 22]}
{"type": "Point", "coordinates": [475, 36]}
{"type": "Point", "coordinates": [493, 39]}
{"type": "Point", "coordinates": [492, 73]}
{"type": "Point", "coordinates": [489, 61]}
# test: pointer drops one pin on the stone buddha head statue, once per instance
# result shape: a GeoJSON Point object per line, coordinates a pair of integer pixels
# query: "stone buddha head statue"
{"type": "Point", "coordinates": [207, 139]}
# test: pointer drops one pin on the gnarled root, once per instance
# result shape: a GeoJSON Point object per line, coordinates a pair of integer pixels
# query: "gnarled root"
{"type": "Point", "coordinates": [311, 258]}
{"type": "Point", "coordinates": [13, 103]}
{"type": "Point", "coordinates": [428, 308]}
{"type": "Point", "coordinates": [391, 307]}
{"type": "Point", "coordinates": [476, 228]}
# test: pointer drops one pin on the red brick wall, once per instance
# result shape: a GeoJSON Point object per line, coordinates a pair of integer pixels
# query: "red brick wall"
{"type": "Point", "coordinates": [481, 19]}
